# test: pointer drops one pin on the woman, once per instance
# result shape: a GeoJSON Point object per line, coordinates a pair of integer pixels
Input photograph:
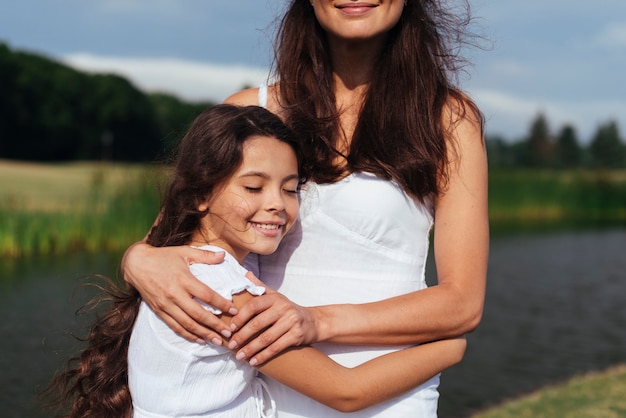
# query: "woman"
{"type": "Point", "coordinates": [397, 148]}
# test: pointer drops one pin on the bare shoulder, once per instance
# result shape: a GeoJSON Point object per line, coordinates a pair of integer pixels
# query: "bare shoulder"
{"type": "Point", "coordinates": [250, 97]}
{"type": "Point", "coordinates": [467, 155]}
{"type": "Point", "coordinates": [463, 120]}
{"type": "Point", "coordinates": [247, 97]}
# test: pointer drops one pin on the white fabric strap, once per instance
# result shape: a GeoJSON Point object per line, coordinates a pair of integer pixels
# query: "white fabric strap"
{"type": "Point", "coordinates": [263, 95]}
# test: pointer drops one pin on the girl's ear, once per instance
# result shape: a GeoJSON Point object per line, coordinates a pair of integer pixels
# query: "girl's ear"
{"type": "Point", "coordinates": [204, 206]}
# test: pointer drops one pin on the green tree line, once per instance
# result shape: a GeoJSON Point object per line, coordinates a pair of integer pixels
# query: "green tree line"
{"type": "Point", "coordinates": [51, 112]}
{"type": "Point", "coordinates": [541, 148]}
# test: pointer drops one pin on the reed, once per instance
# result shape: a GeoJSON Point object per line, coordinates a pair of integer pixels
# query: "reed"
{"type": "Point", "coordinates": [107, 209]}
{"type": "Point", "coordinates": [53, 209]}
{"type": "Point", "coordinates": [523, 200]}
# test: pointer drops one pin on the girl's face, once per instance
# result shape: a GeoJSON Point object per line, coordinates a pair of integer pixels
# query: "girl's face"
{"type": "Point", "coordinates": [256, 206]}
{"type": "Point", "coordinates": [357, 20]}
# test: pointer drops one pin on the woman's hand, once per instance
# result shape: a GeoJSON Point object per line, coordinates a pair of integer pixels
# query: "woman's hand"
{"type": "Point", "coordinates": [269, 324]}
{"type": "Point", "coordinates": [162, 277]}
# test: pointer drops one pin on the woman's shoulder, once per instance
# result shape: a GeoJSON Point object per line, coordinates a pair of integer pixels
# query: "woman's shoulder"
{"type": "Point", "coordinates": [250, 97]}
{"type": "Point", "coordinates": [247, 97]}
{"type": "Point", "coordinates": [460, 107]}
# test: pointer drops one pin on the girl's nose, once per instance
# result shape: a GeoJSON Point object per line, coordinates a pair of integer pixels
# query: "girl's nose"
{"type": "Point", "coordinates": [276, 203]}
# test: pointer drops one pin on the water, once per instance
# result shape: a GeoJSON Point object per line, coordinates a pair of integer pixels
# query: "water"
{"type": "Point", "coordinates": [555, 308]}
{"type": "Point", "coordinates": [38, 300]}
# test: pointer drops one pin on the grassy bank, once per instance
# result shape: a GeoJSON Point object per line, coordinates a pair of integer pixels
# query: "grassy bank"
{"type": "Point", "coordinates": [58, 208]}
{"type": "Point", "coordinates": [598, 395]}
{"type": "Point", "coordinates": [521, 200]}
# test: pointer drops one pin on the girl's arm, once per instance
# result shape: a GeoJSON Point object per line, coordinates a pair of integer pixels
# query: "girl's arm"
{"type": "Point", "coordinates": [314, 374]}
{"type": "Point", "coordinates": [451, 308]}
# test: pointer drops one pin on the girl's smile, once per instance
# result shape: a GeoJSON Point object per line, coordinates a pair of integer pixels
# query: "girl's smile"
{"type": "Point", "coordinates": [269, 229]}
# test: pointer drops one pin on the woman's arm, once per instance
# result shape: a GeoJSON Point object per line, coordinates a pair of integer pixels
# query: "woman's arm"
{"type": "Point", "coordinates": [451, 308]}
{"type": "Point", "coordinates": [461, 247]}
{"type": "Point", "coordinates": [162, 277]}
{"type": "Point", "coordinates": [314, 374]}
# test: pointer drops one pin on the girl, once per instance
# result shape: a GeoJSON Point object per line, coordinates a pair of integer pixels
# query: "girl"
{"type": "Point", "coordinates": [234, 189]}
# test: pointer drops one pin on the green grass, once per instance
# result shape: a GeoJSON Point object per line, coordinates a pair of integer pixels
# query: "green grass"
{"type": "Point", "coordinates": [521, 200]}
{"type": "Point", "coordinates": [60, 208]}
{"type": "Point", "coordinates": [597, 395]}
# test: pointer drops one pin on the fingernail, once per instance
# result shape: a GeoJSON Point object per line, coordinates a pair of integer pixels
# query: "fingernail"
{"type": "Point", "coordinates": [232, 345]}
{"type": "Point", "coordinates": [233, 327]}
{"type": "Point", "coordinates": [201, 341]}
{"type": "Point", "coordinates": [233, 311]}
{"type": "Point", "coordinates": [240, 355]}
{"type": "Point", "coordinates": [226, 333]}
{"type": "Point", "coordinates": [217, 341]}
{"type": "Point", "coordinates": [253, 362]}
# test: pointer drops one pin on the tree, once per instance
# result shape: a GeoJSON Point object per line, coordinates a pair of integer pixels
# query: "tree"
{"type": "Point", "coordinates": [539, 143]}
{"type": "Point", "coordinates": [174, 117]}
{"type": "Point", "coordinates": [568, 152]}
{"type": "Point", "coordinates": [51, 112]}
{"type": "Point", "coordinates": [607, 148]}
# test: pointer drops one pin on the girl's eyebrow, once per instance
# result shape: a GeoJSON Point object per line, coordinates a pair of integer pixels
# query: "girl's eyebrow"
{"type": "Point", "coordinates": [254, 174]}
{"type": "Point", "coordinates": [264, 175]}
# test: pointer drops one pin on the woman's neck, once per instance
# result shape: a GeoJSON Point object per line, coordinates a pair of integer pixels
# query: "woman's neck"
{"type": "Point", "coordinates": [353, 64]}
{"type": "Point", "coordinates": [353, 60]}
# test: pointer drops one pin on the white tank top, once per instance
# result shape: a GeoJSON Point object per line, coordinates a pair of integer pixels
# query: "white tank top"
{"type": "Point", "coordinates": [358, 240]}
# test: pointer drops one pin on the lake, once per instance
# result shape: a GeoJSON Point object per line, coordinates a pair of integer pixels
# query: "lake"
{"type": "Point", "coordinates": [555, 308]}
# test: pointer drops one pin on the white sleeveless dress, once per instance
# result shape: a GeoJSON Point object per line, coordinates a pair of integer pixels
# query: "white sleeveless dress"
{"type": "Point", "coordinates": [359, 240]}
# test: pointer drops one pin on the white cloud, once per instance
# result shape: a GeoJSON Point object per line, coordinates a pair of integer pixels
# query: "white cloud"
{"type": "Point", "coordinates": [510, 68]}
{"type": "Point", "coordinates": [613, 35]}
{"type": "Point", "coordinates": [189, 80]}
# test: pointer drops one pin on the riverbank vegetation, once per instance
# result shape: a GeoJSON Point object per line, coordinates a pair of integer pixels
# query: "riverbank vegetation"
{"type": "Point", "coordinates": [598, 395]}
{"type": "Point", "coordinates": [51, 209]}
{"type": "Point", "coordinates": [65, 207]}
{"type": "Point", "coordinates": [538, 199]}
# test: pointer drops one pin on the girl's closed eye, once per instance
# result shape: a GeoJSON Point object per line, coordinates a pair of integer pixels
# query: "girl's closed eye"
{"type": "Point", "coordinates": [291, 187]}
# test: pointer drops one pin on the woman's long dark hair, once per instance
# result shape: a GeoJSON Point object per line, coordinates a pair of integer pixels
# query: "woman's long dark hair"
{"type": "Point", "coordinates": [95, 383]}
{"type": "Point", "coordinates": [401, 133]}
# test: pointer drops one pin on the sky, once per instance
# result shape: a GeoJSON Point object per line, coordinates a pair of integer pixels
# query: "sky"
{"type": "Point", "coordinates": [563, 58]}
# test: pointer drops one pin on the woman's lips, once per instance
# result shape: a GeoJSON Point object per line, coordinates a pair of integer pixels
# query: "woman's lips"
{"type": "Point", "coordinates": [355, 8]}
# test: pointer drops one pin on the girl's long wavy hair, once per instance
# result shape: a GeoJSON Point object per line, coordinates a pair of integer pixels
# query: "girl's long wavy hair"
{"type": "Point", "coordinates": [95, 383]}
{"type": "Point", "coordinates": [401, 133]}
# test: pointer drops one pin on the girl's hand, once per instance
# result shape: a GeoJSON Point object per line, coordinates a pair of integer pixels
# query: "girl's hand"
{"type": "Point", "coordinates": [269, 324]}
{"type": "Point", "coordinates": [162, 277]}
